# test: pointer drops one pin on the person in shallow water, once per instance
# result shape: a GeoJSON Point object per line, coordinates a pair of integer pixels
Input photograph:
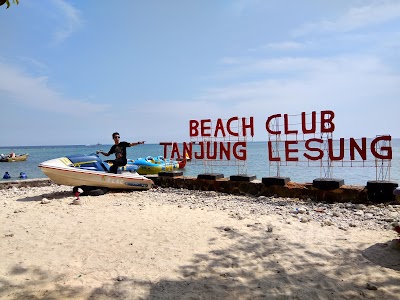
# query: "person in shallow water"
{"type": "Point", "coordinates": [119, 148]}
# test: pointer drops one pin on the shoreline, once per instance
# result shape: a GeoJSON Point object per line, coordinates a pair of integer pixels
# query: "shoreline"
{"type": "Point", "coordinates": [323, 190]}
{"type": "Point", "coordinates": [170, 243]}
{"type": "Point", "coordinates": [345, 215]}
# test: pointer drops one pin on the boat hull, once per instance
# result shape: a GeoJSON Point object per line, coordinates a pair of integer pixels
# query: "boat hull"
{"type": "Point", "coordinates": [21, 157]}
{"type": "Point", "coordinates": [61, 173]}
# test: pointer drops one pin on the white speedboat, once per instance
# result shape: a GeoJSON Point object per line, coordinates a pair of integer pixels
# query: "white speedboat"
{"type": "Point", "coordinates": [91, 171]}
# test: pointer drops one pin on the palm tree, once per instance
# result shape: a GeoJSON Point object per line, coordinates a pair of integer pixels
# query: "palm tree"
{"type": "Point", "coordinates": [8, 2]}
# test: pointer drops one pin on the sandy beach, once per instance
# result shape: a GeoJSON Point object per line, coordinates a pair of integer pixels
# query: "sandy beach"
{"type": "Point", "coordinates": [181, 244]}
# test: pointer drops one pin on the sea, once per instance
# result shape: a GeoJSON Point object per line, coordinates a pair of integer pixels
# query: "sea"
{"type": "Point", "coordinates": [257, 163]}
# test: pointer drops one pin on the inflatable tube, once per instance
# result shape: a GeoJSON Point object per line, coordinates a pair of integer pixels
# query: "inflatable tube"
{"type": "Point", "coordinates": [155, 164]}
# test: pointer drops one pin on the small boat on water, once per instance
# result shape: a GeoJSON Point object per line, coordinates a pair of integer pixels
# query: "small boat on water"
{"type": "Point", "coordinates": [155, 164]}
{"type": "Point", "coordinates": [13, 157]}
{"type": "Point", "coordinates": [91, 171]}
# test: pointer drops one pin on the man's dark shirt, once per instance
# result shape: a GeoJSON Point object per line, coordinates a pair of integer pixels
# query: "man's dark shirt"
{"type": "Point", "coordinates": [119, 150]}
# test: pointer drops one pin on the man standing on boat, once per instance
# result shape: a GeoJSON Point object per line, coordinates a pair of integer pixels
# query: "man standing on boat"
{"type": "Point", "coordinates": [119, 148]}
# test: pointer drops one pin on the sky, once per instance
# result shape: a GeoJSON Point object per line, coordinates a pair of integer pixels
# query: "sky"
{"type": "Point", "coordinates": [73, 72]}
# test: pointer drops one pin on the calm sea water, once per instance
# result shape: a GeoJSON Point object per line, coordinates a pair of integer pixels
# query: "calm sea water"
{"type": "Point", "coordinates": [257, 163]}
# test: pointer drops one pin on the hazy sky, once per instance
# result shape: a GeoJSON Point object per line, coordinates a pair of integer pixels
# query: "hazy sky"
{"type": "Point", "coordinates": [73, 72]}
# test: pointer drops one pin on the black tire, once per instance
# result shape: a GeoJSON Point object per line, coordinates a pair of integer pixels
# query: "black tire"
{"type": "Point", "coordinates": [91, 190]}
{"type": "Point", "coordinates": [96, 192]}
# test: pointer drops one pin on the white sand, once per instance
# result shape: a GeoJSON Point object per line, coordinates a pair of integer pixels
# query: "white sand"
{"type": "Point", "coordinates": [166, 244]}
